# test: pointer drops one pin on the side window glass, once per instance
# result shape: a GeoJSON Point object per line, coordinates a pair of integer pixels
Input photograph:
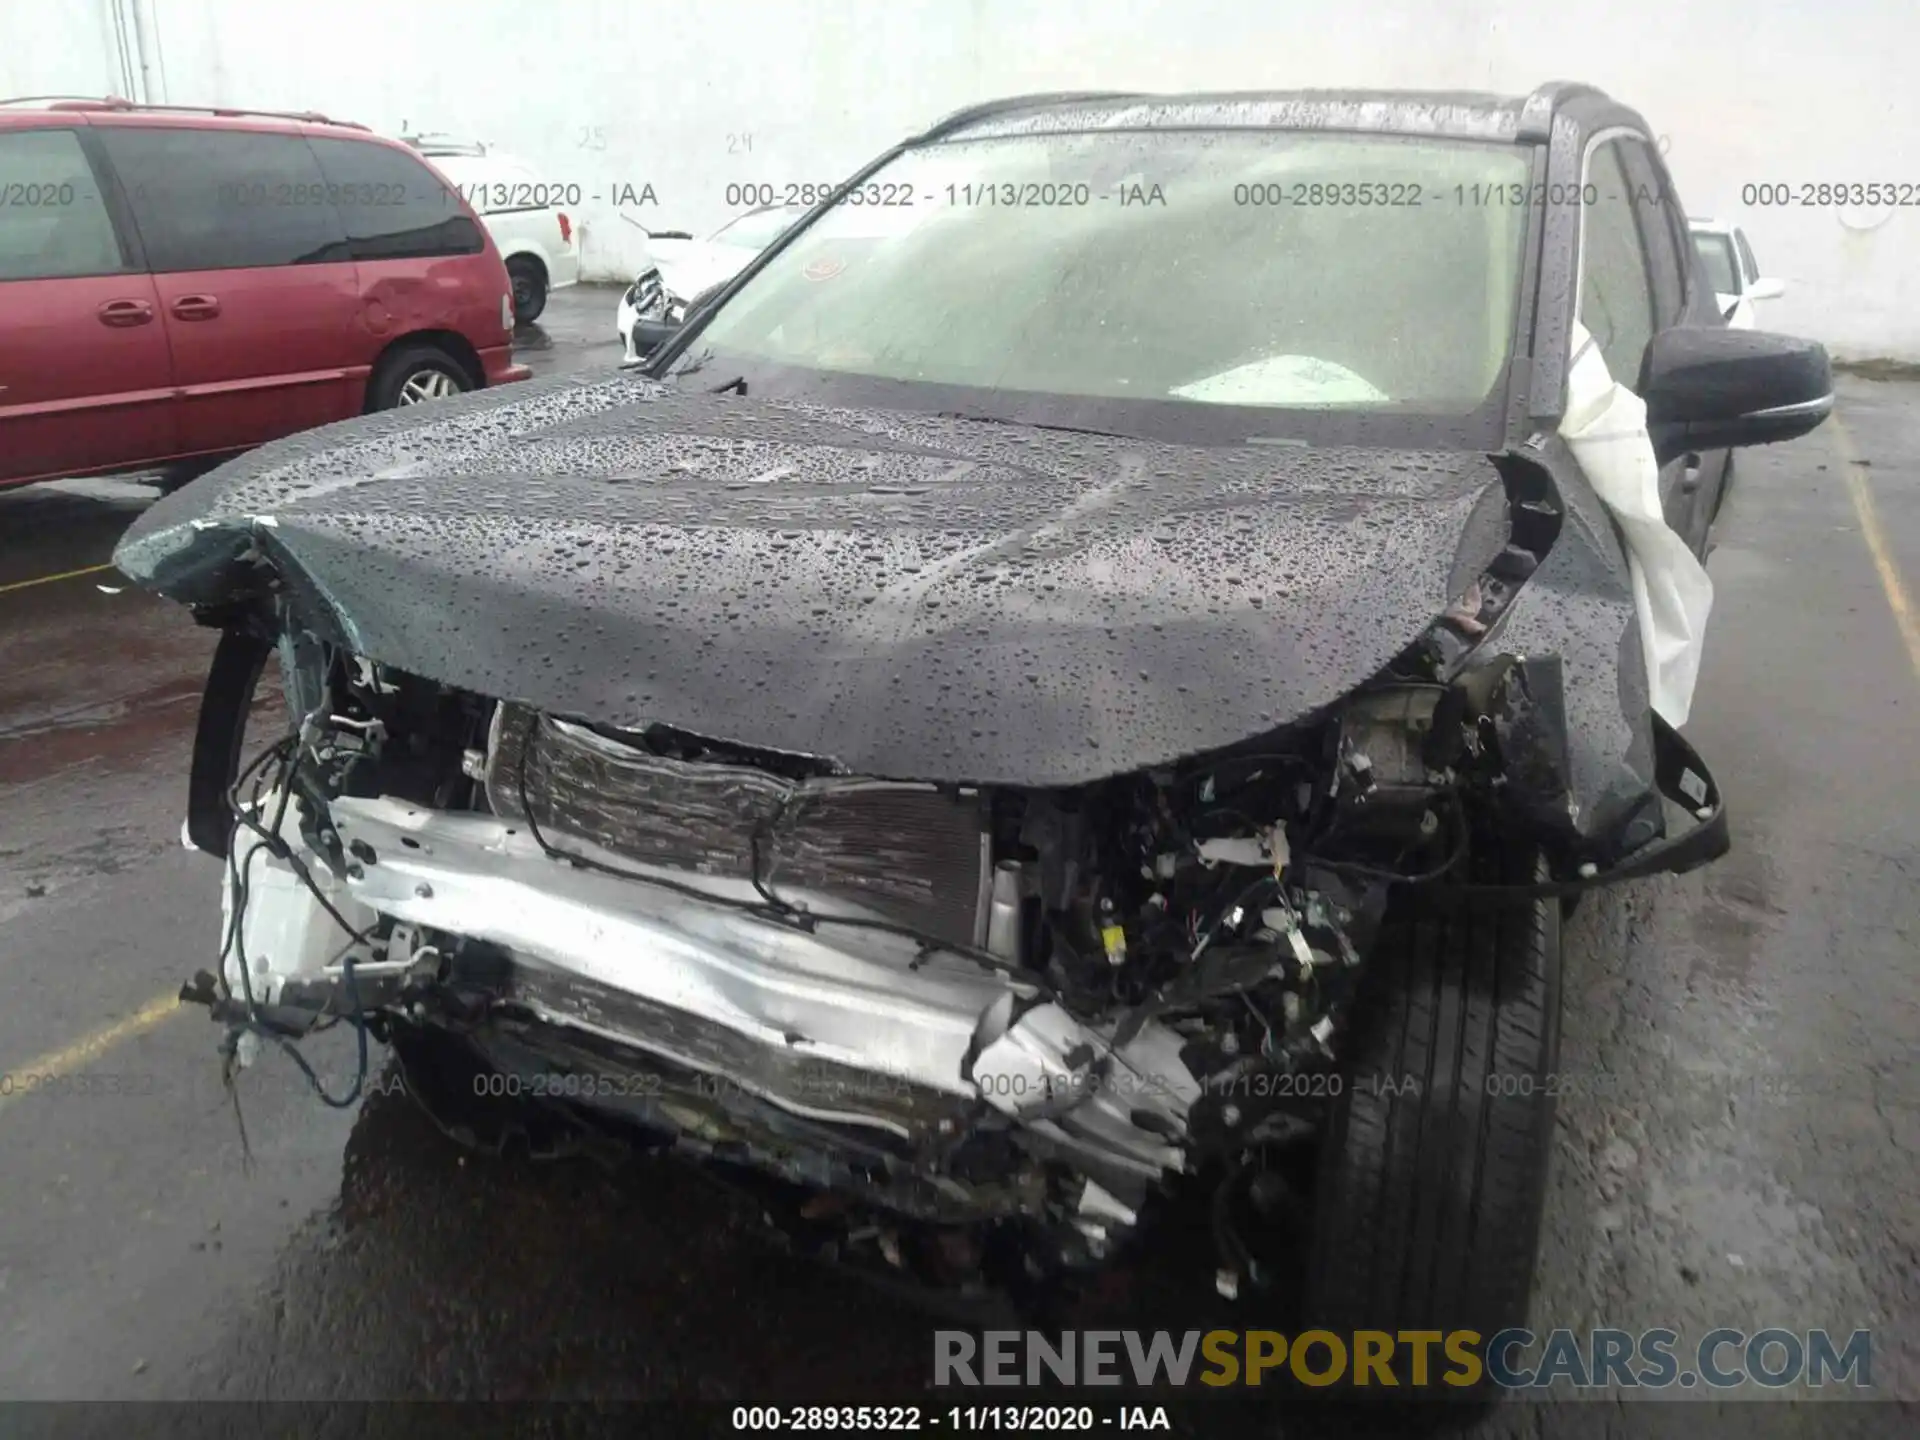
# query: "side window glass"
{"type": "Point", "coordinates": [1716, 257]}
{"type": "Point", "coordinates": [53, 223]}
{"type": "Point", "coordinates": [1665, 237]}
{"type": "Point", "coordinates": [224, 199]}
{"type": "Point", "coordinates": [394, 206]}
{"type": "Point", "coordinates": [1746, 256]}
{"type": "Point", "coordinates": [1616, 298]}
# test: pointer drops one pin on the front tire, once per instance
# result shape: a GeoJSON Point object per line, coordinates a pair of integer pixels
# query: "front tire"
{"type": "Point", "coordinates": [1433, 1171]}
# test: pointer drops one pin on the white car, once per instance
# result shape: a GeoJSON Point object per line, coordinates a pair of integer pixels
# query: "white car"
{"type": "Point", "coordinates": [681, 269]}
{"type": "Point", "coordinates": [526, 215]}
{"type": "Point", "coordinates": [1729, 263]}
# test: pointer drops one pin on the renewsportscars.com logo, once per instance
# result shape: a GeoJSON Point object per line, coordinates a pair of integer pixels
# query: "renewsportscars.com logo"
{"type": "Point", "coordinates": [1516, 1359]}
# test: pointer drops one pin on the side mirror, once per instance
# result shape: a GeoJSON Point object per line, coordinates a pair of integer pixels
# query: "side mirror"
{"type": "Point", "coordinates": [1766, 289]}
{"type": "Point", "coordinates": [650, 335]}
{"type": "Point", "coordinates": [1713, 389]}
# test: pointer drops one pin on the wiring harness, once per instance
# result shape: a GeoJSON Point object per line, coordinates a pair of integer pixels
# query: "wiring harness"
{"type": "Point", "coordinates": [279, 762]}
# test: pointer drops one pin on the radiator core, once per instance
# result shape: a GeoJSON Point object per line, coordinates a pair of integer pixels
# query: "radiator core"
{"type": "Point", "coordinates": [912, 853]}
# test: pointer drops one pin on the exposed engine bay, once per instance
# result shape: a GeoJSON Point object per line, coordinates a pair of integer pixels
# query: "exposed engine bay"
{"type": "Point", "coordinates": [984, 1027]}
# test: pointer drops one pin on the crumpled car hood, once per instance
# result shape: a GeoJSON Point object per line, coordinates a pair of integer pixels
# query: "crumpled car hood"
{"type": "Point", "coordinates": [914, 597]}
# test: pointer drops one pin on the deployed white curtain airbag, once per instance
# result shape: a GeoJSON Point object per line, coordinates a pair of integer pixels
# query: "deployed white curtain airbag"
{"type": "Point", "coordinates": [1606, 428]}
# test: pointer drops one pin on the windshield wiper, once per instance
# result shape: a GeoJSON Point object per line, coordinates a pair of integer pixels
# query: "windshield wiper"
{"type": "Point", "coordinates": [684, 367]}
{"type": "Point", "coordinates": [1028, 424]}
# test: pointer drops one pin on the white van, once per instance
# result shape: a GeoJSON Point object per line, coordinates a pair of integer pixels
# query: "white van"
{"type": "Point", "coordinates": [1730, 266]}
{"type": "Point", "coordinates": [526, 215]}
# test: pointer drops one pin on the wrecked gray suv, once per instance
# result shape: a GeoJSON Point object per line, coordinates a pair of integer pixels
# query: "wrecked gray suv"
{"type": "Point", "coordinates": [1079, 684]}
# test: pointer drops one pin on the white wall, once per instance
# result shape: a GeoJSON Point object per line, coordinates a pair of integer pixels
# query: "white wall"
{"type": "Point", "coordinates": [1745, 93]}
{"type": "Point", "coordinates": [57, 49]}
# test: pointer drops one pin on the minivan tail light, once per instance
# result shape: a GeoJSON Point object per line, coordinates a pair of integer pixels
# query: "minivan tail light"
{"type": "Point", "coordinates": [566, 229]}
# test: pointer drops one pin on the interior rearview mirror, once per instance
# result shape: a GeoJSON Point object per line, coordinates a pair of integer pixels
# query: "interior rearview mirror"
{"type": "Point", "coordinates": [1766, 288]}
{"type": "Point", "coordinates": [1712, 389]}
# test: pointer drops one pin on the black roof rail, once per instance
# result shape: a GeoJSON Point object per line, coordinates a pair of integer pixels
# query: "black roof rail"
{"type": "Point", "coordinates": [120, 106]}
{"type": "Point", "coordinates": [1536, 111]}
{"type": "Point", "coordinates": [1009, 104]}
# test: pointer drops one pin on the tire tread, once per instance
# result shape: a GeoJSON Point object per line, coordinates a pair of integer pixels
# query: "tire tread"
{"type": "Point", "coordinates": [1430, 1195]}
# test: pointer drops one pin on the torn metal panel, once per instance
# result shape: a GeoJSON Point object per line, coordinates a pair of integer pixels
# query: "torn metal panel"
{"type": "Point", "coordinates": [770, 1008]}
{"type": "Point", "coordinates": [721, 1059]}
{"type": "Point", "coordinates": [1578, 606]}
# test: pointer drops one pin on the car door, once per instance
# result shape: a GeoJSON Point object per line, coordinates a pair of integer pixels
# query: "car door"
{"type": "Point", "coordinates": [423, 259]}
{"type": "Point", "coordinates": [85, 375]}
{"type": "Point", "coordinates": [1630, 286]}
{"type": "Point", "coordinates": [1691, 482]}
{"type": "Point", "coordinates": [257, 287]}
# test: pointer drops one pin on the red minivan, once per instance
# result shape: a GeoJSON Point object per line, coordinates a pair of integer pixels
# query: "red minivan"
{"type": "Point", "coordinates": [177, 285]}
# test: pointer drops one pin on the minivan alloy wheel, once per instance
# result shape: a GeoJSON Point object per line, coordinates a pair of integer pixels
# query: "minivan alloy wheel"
{"type": "Point", "coordinates": [414, 373]}
{"type": "Point", "coordinates": [425, 385]}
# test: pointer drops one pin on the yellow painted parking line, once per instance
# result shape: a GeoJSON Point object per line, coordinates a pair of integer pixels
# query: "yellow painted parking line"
{"type": "Point", "coordinates": [70, 1058]}
{"type": "Point", "coordinates": [1861, 493]}
{"type": "Point", "coordinates": [49, 579]}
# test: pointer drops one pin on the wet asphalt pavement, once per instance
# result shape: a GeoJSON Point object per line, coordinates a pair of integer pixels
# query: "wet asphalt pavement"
{"type": "Point", "coordinates": [1739, 1143]}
